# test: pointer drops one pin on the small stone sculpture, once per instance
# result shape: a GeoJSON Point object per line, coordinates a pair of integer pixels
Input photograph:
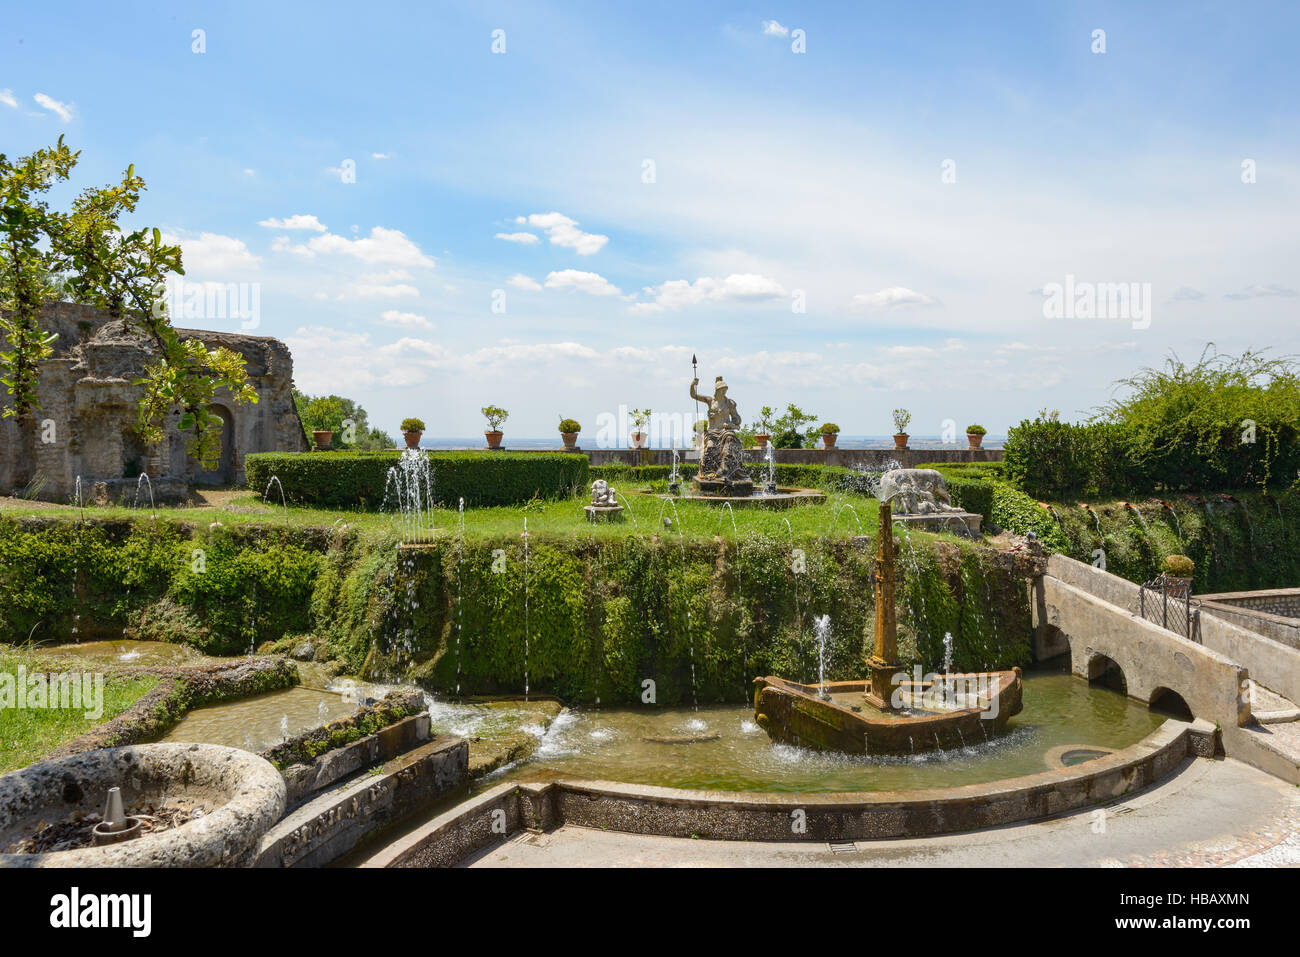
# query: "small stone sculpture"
{"type": "Point", "coordinates": [919, 492]}
{"type": "Point", "coordinates": [602, 496]}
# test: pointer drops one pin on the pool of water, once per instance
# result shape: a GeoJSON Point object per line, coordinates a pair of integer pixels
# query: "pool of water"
{"type": "Point", "coordinates": [262, 721]}
{"type": "Point", "coordinates": [731, 753]}
{"type": "Point", "coordinates": [128, 652]}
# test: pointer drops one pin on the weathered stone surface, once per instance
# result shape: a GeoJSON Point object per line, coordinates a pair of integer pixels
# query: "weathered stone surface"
{"type": "Point", "coordinates": [87, 393]}
{"type": "Point", "coordinates": [242, 793]}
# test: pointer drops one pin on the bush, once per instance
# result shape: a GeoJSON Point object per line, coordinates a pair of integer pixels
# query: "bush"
{"type": "Point", "coordinates": [570, 425]}
{"type": "Point", "coordinates": [412, 425]}
{"type": "Point", "coordinates": [976, 430]}
{"type": "Point", "coordinates": [1180, 566]}
{"type": "Point", "coordinates": [359, 480]}
{"type": "Point", "coordinates": [829, 428]}
{"type": "Point", "coordinates": [1052, 459]}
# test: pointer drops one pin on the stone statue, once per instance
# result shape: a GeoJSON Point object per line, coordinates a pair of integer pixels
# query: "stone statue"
{"type": "Point", "coordinates": [722, 460]}
{"type": "Point", "coordinates": [919, 492]}
{"type": "Point", "coordinates": [602, 496]}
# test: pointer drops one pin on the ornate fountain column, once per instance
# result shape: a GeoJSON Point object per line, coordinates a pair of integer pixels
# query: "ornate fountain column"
{"type": "Point", "coordinates": [884, 658]}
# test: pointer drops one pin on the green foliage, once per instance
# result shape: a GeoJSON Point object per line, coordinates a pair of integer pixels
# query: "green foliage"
{"type": "Point", "coordinates": [570, 425]}
{"type": "Point", "coordinates": [790, 430]}
{"type": "Point", "coordinates": [976, 430]}
{"type": "Point", "coordinates": [334, 413]}
{"type": "Point", "coordinates": [1180, 566]}
{"type": "Point", "coordinates": [829, 428]}
{"type": "Point", "coordinates": [901, 420]}
{"type": "Point", "coordinates": [496, 417]}
{"type": "Point", "coordinates": [352, 480]}
{"type": "Point", "coordinates": [412, 425]}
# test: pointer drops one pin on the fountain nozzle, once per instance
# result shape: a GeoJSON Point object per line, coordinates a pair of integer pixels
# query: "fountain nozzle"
{"type": "Point", "coordinates": [116, 825]}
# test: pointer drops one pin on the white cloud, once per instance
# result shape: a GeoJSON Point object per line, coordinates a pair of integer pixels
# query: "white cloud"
{"type": "Point", "coordinates": [893, 296]}
{"type": "Point", "coordinates": [370, 290]}
{"type": "Point", "coordinates": [563, 231]}
{"type": "Point", "coordinates": [1258, 291]}
{"type": "Point", "coordinates": [382, 247]}
{"type": "Point", "coordinates": [7, 98]}
{"type": "Point", "coordinates": [406, 320]}
{"type": "Point", "coordinates": [381, 156]}
{"type": "Point", "coordinates": [586, 281]}
{"type": "Point", "coordinates": [773, 29]}
{"type": "Point", "coordinates": [214, 254]}
{"type": "Point", "coordinates": [738, 287]}
{"type": "Point", "coordinates": [520, 281]}
{"type": "Point", "coordinates": [299, 221]}
{"type": "Point", "coordinates": [526, 239]}
{"type": "Point", "coordinates": [64, 110]}
{"type": "Point", "coordinates": [282, 244]}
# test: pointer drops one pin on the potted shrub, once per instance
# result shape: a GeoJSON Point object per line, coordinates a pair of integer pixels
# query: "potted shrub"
{"type": "Point", "coordinates": [569, 429]}
{"type": "Point", "coordinates": [412, 429]}
{"type": "Point", "coordinates": [830, 432]}
{"type": "Point", "coordinates": [763, 427]}
{"type": "Point", "coordinates": [901, 419]}
{"type": "Point", "coordinates": [640, 423]}
{"type": "Point", "coordinates": [975, 435]}
{"type": "Point", "coordinates": [496, 417]}
{"type": "Point", "coordinates": [323, 437]}
{"type": "Point", "coordinates": [1179, 567]}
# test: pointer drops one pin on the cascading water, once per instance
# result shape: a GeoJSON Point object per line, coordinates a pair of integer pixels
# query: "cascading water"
{"type": "Point", "coordinates": [460, 560]}
{"type": "Point", "coordinates": [769, 453]}
{"type": "Point", "coordinates": [690, 636]}
{"type": "Point", "coordinates": [411, 484]}
{"type": "Point", "coordinates": [526, 634]}
{"type": "Point", "coordinates": [740, 597]}
{"type": "Point", "coordinates": [822, 628]}
{"type": "Point", "coordinates": [796, 566]}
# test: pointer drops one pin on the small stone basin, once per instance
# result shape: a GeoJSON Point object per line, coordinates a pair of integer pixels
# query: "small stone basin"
{"type": "Point", "coordinates": [241, 794]}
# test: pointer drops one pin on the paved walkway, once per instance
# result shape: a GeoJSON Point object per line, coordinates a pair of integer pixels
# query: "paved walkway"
{"type": "Point", "coordinates": [1212, 813]}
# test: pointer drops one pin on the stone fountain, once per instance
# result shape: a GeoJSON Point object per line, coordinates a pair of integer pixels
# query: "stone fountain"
{"type": "Point", "coordinates": [888, 712]}
{"type": "Point", "coordinates": [924, 502]}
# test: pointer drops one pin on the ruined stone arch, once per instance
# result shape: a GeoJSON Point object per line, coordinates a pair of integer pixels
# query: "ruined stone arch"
{"type": "Point", "coordinates": [1170, 702]}
{"type": "Point", "coordinates": [1106, 672]}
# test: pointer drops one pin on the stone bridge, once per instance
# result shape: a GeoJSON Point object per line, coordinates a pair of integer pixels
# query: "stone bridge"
{"type": "Point", "coordinates": [1225, 677]}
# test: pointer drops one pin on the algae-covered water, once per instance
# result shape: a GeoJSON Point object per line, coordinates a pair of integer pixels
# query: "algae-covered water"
{"type": "Point", "coordinates": [733, 754]}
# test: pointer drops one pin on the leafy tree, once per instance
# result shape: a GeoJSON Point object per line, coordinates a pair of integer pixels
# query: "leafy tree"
{"type": "Point", "coordinates": [331, 412]}
{"type": "Point", "coordinates": [790, 430]}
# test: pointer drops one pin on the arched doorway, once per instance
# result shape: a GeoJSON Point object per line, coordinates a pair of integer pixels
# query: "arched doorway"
{"type": "Point", "coordinates": [1106, 673]}
{"type": "Point", "coordinates": [1171, 704]}
{"type": "Point", "coordinates": [224, 473]}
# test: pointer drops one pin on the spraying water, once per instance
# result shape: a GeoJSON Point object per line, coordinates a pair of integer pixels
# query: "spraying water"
{"type": "Point", "coordinates": [411, 482]}
{"type": "Point", "coordinates": [822, 628]}
{"type": "Point", "coordinates": [275, 480]}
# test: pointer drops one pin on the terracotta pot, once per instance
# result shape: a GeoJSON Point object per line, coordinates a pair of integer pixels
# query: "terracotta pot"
{"type": "Point", "coordinates": [639, 440]}
{"type": "Point", "coordinates": [412, 439]}
{"type": "Point", "coordinates": [323, 437]}
{"type": "Point", "coordinates": [828, 439]}
{"type": "Point", "coordinates": [974, 439]}
{"type": "Point", "coordinates": [761, 439]}
{"type": "Point", "coordinates": [570, 439]}
{"type": "Point", "coordinates": [493, 439]}
{"type": "Point", "coordinates": [900, 440]}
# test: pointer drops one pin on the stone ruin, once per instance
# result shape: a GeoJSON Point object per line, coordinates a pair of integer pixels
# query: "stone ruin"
{"type": "Point", "coordinates": [85, 426]}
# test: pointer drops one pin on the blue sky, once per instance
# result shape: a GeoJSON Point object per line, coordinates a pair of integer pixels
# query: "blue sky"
{"type": "Point", "coordinates": [779, 178]}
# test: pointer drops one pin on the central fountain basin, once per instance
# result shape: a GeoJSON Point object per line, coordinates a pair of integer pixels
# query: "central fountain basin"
{"type": "Point", "coordinates": [837, 717]}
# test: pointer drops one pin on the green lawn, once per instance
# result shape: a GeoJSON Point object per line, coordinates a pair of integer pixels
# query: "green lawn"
{"type": "Point", "coordinates": [29, 733]}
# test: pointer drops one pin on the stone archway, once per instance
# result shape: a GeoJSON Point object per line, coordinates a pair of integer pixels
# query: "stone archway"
{"type": "Point", "coordinates": [1107, 673]}
{"type": "Point", "coordinates": [1171, 703]}
{"type": "Point", "coordinates": [224, 473]}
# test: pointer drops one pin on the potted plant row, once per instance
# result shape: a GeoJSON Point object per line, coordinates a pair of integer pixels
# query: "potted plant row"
{"type": "Point", "coordinates": [569, 429]}
{"type": "Point", "coordinates": [496, 417]}
{"type": "Point", "coordinates": [412, 429]}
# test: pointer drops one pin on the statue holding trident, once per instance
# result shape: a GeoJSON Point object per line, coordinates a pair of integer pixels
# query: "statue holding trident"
{"type": "Point", "coordinates": [722, 463]}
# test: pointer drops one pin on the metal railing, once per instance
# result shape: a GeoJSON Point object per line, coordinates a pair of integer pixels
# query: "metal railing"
{"type": "Point", "coordinates": [1167, 601]}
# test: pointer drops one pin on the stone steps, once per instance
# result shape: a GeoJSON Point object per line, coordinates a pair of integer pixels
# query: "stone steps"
{"type": "Point", "coordinates": [1269, 707]}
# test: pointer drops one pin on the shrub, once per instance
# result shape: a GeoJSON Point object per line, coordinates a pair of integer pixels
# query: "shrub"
{"type": "Point", "coordinates": [570, 425]}
{"type": "Point", "coordinates": [496, 417]}
{"type": "Point", "coordinates": [976, 430]}
{"type": "Point", "coordinates": [829, 428]}
{"type": "Point", "coordinates": [359, 480]}
{"type": "Point", "coordinates": [412, 425]}
{"type": "Point", "coordinates": [902, 418]}
{"type": "Point", "coordinates": [1179, 566]}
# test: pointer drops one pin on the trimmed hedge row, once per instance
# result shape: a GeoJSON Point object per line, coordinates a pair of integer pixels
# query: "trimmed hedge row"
{"type": "Point", "coordinates": [359, 479]}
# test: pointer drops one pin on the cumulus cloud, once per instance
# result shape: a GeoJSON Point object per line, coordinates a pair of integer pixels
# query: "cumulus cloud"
{"type": "Point", "coordinates": [563, 231]}
{"type": "Point", "coordinates": [214, 254]}
{"type": "Point", "coordinates": [577, 279]}
{"type": "Point", "coordinates": [520, 281]}
{"type": "Point", "coordinates": [383, 247]}
{"type": "Point", "coordinates": [738, 287]}
{"type": "Point", "coordinates": [526, 239]}
{"type": "Point", "coordinates": [772, 28]}
{"type": "Point", "coordinates": [299, 221]}
{"type": "Point", "coordinates": [63, 110]}
{"type": "Point", "coordinates": [893, 296]}
{"type": "Point", "coordinates": [405, 320]}
{"type": "Point", "coordinates": [7, 98]}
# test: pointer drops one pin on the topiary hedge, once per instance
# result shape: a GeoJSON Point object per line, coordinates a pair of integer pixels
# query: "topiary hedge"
{"type": "Point", "coordinates": [360, 479]}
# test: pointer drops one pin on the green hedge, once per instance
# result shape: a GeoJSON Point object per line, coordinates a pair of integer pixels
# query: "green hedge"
{"type": "Point", "coordinates": [1052, 459]}
{"type": "Point", "coordinates": [359, 479]}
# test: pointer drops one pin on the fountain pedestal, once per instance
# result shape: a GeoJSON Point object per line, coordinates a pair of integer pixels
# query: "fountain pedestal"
{"type": "Point", "coordinates": [883, 663]}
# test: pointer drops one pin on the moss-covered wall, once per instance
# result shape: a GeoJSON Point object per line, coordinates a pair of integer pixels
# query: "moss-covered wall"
{"type": "Point", "coordinates": [576, 617]}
